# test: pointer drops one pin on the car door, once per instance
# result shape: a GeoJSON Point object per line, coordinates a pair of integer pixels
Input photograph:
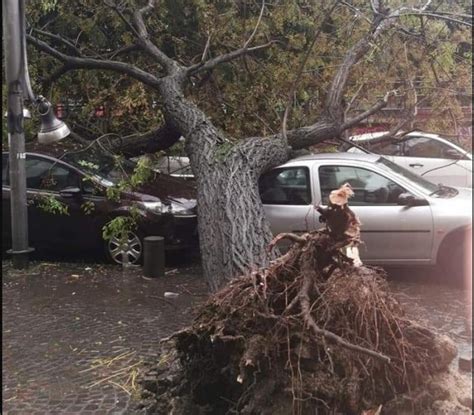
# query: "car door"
{"type": "Point", "coordinates": [434, 160]}
{"type": "Point", "coordinates": [287, 199]}
{"type": "Point", "coordinates": [56, 221]}
{"type": "Point", "coordinates": [390, 233]}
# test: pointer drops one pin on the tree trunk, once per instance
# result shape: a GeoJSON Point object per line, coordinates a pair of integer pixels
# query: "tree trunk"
{"type": "Point", "coordinates": [234, 232]}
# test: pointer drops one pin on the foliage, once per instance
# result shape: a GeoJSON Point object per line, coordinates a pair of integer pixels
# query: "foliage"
{"type": "Point", "coordinates": [52, 205]}
{"type": "Point", "coordinates": [88, 207]}
{"type": "Point", "coordinates": [142, 173]}
{"type": "Point", "coordinates": [88, 165]}
{"type": "Point", "coordinates": [120, 226]}
{"type": "Point", "coordinates": [247, 97]}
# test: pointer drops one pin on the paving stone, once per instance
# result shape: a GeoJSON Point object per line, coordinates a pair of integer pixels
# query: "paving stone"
{"type": "Point", "coordinates": [51, 339]}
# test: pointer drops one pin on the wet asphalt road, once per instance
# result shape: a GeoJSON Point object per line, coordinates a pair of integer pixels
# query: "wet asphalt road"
{"type": "Point", "coordinates": [441, 306]}
{"type": "Point", "coordinates": [74, 335]}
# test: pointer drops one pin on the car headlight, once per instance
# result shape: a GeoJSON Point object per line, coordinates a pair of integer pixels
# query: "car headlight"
{"type": "Point", "coordinates": [178, 210]}
{"type": "Point", "coordinates": [175, 209]}
{"type": "Point", "coordinates": [156, 207]}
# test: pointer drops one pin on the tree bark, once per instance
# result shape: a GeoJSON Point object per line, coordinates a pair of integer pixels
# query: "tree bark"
{"type": "Point", "coordinates": [160, 139]}
{"type": "Point", "coordinates": [233, 231]}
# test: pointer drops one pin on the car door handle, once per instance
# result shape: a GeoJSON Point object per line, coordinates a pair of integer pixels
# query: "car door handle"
{"type": "Point", "coordinates": [416, 165]}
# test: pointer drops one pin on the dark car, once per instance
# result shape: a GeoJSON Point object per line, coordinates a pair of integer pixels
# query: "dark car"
{"type": "Point", "coordinates": [165, 206]}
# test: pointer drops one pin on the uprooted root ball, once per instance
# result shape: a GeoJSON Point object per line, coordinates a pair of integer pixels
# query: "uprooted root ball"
{"type": "Point", "coordinates": [310, 332]}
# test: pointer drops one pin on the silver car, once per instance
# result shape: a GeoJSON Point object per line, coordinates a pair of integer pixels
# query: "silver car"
{"type": "Point", "coordinates": [429, 155]}
{"type": "Point", "coordinates": [406, 220]}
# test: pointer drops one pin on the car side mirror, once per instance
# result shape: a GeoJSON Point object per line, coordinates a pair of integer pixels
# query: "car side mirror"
{"type": "Point", "coordinates": [69, 192]}
{"type": "Point", "coordinates": [409, 200]}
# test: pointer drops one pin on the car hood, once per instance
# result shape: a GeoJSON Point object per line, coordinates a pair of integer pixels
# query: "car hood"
{"type": "Point", "coordinates": [167, 189]}
{"type": "Point", "coordinates": [459, 206]}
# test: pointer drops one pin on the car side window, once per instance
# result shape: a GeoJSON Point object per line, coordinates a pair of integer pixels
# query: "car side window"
{"type": "Point", "coordinates": [89, 187]}
{"type": "Point", "coordinates": [44, 174]}
{"type": "Point", "coordinates": [369, 188]}
{"type": "Point", "coordinates": [5, 178]}
{"type": "Point", "coordinates": [429, 148]}
{"type": "Point", "coordinates": [286, 186]}
{"type": "Point", "coordinates": [387, 148]}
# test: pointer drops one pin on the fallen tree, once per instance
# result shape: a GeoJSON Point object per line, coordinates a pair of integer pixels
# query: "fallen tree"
{"type": "Point", "coordinates": [139, 45]}
{"type": "Point", "coordinates": [310, 333]}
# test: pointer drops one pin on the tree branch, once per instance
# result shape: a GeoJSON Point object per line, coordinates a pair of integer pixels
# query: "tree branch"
{"type": "Point", "coordinates": [89, 63]}
{"type": "Point", "coordinates": [46, 82]}
{"type": "Point", "coordinates": [117, 10]}
{"type": "Point", "coordinates": [362, 116]}
{"type": "Point", "coordinates": [249, 40]}
{"type": "Point", "coordinates": [211, 63]}
{"type": "Point", "coordinates": [448, 18]}
{"type": "Point", "coordinates": [300, 72]}
{"type": "Point", "coordinates": [159, 139]}
{"type": "Point", "coordinates": [64, 41]}
{"type": "Point", "coordinates": [122, 50]}
{"type": "Point", "coordinates": [206, 49]}
{"type": "Point", "coordinates": [334, 99]}
{"type": "Point", "coordinates": [169, 64]}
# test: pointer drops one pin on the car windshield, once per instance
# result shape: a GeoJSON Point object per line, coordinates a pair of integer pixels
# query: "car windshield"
{"type": "Point", "coordinates": [423, 184]}
{"type": "Point", "coordinates": [112, 169]}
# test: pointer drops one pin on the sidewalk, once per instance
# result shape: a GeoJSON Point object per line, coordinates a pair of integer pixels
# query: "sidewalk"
{"type": "Point", "coordinates": [75, 335]}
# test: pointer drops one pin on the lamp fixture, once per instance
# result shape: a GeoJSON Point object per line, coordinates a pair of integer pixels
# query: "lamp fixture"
{"type": "Point", "coordinates": [52, 129]}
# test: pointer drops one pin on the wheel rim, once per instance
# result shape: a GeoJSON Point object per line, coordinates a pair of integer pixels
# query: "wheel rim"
{"type": "Point", "coordinates": [128, 249]}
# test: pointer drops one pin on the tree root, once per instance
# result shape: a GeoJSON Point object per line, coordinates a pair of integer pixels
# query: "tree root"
{"type": "Point", "coordinates": [310, 333]}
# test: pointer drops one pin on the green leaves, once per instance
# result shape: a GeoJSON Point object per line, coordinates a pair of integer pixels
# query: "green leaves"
{"type": "Point", "coordinates": [52, 205]}
{"type": "Point", "coordinates": [245, 97]}
{"type": "Point", "coordinates": [88, 165]}
{"type": "Point", "coordinates": [48, 5]}
{"type": "Point", "coordinates": [88, 207]}
{"type": "Point", "coordinates": [142, 173]}
{"type": "Point", "coordinates": [119, 227]}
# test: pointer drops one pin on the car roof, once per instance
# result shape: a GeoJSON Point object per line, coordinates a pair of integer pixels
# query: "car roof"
{"type": "Point", "coordinates": [418, 133]}
{"type": "Point", "coordinates": [365, 157]}
{"type": "Point", "coordinates": [362, 139]}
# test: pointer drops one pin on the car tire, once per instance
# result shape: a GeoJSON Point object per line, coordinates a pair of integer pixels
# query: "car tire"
{"type": "Point", "coordinates": [455, 261]}
{"type": "Point", "coordinates": [133, 246]}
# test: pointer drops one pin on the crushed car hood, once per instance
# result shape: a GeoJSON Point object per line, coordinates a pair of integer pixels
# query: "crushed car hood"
{"type": "Point", "coordinates": [167, 189]}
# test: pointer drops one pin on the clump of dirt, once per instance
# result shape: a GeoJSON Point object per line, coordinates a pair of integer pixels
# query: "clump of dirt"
{"type": "Point", "coordinates": [311, 333]}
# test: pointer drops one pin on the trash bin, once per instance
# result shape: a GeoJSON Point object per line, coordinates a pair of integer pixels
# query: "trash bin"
{"type": "Point", "coordinates": [154, 256]}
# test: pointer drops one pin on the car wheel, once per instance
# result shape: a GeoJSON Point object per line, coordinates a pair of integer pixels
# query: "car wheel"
{"type": "Point", "coordinates": [128, 248]}
{"type": "Point", "coordinates": [455, 262]}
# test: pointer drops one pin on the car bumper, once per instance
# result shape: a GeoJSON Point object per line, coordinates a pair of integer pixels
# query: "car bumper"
{"type": "Point", "coordinates": [180, 232]}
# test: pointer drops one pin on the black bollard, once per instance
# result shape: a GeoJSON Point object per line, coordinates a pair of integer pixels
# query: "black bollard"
{"type": "Point", "coordinates": [154, 256]}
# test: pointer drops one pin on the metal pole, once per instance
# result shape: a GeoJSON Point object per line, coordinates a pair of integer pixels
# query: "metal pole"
{"type": "Point", "coordinates": [16, 137]}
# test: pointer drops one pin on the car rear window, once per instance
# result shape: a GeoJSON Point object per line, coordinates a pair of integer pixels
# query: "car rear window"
{"type": "Point", "coordinates": [286, 186]}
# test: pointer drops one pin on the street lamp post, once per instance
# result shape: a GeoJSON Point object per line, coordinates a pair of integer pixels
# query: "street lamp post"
{"type": "Point", "coordinates": [52, 129]}
{"type": "Point", "coordinates": [16, 136]}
